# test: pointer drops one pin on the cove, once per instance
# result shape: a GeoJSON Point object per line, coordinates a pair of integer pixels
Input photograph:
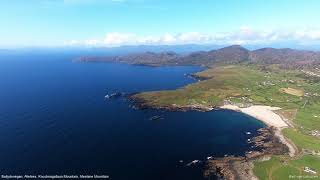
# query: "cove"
{"type": "Point", "coordinates": [54, 119]}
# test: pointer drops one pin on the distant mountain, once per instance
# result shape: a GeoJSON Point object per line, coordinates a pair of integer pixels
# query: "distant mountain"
{"type": "Point", "coordinates": [288, 57]}
{"type": "Point", "coordinates": [147, 58]}
{"type": "Point", "coordinates": [228, 55]}
{"type": "Point", "coordinates": [181, 49]}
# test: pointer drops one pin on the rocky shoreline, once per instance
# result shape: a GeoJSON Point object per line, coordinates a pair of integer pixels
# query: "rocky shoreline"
{"type": "Point", "coordinates": [268, 142]}
{"type": "Point", "coordinates": [232, 167]}
{"type": "Point", "coordinates": [197, 77]}
{"type": "Point", "coordinates": [139, 103]}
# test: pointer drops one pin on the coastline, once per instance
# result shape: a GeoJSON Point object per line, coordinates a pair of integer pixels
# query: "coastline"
{"type": "Point", "coordinates": [223, 89]}
{"type": "Point", "coordinates": [271, 137]}
{"type": "Point", "coordinates": [267, 115]}
{"type": "Point", "coordinates": [230, 167]}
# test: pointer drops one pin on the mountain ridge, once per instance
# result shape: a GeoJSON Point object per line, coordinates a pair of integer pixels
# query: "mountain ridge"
{"type": "Point", "coordinates": [286, 57]}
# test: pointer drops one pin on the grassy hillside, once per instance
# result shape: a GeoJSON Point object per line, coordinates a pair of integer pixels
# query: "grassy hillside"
{"type": "Point", "coordinates": [243, 84]}
{"type": "Point", "coordinates": [292, 90]}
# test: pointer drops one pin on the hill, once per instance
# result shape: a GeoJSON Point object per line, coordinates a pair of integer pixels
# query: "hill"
{"type": "Point", "coordinates": [286, 58]}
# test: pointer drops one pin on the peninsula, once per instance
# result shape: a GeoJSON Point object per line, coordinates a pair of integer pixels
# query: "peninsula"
{"type": "Point", "coordinates": [280, 87]}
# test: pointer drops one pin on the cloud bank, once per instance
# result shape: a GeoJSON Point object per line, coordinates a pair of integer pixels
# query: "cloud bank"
{"type": "Point", "coordinates": [244, 36]}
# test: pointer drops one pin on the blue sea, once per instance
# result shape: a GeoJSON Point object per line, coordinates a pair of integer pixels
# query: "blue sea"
{"type": "Point", "coordinates": [54, 120]}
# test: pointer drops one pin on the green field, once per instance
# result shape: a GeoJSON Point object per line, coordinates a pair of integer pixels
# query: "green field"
{"type": "Point", "coordinates": [302, 140]}
{"type": "Point", "coordinates": [239, 84]}
{"type": "Point", "coordinates": [243, 85]}
{"type": "Point", "coordinates": [282, 168]}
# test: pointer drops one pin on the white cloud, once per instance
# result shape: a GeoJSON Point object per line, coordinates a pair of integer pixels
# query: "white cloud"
{"type": "Point", "coordinates": [147, 40]}
{"type": "Point", "coordinates": [116, 38]}
{"type": "Point", "coordinates": [72, 43]}
{"type": "Point", "coordinates": [190, 37]}
{"type": "Point", "coordinates": [168, 38]}
{"type": "Point", "coordinates": [92, 42]}
{"type": "Point", "coordinates": [245, 35]}
{"type": "Point", "coordinates": [311, 34]}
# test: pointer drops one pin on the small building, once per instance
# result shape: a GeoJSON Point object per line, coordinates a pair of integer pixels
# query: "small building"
{"type": "Point", "coordinates": [315, 133]}
{"type": "Point", "coordinates": [309, 170]}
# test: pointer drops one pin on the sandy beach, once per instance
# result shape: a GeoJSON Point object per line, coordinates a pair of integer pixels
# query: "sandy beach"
{"type": "Point", "coordinates": [270, 118]}
{"type": "Point", "coordinates": [262, 113]}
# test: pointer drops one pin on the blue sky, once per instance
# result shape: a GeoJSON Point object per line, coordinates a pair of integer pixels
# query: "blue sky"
{"type": "Point", "coordinates": [130, 22]}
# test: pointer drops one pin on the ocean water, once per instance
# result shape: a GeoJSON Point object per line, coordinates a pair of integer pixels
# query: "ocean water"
{"type": "Point", "coordinates": [54, 120]}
